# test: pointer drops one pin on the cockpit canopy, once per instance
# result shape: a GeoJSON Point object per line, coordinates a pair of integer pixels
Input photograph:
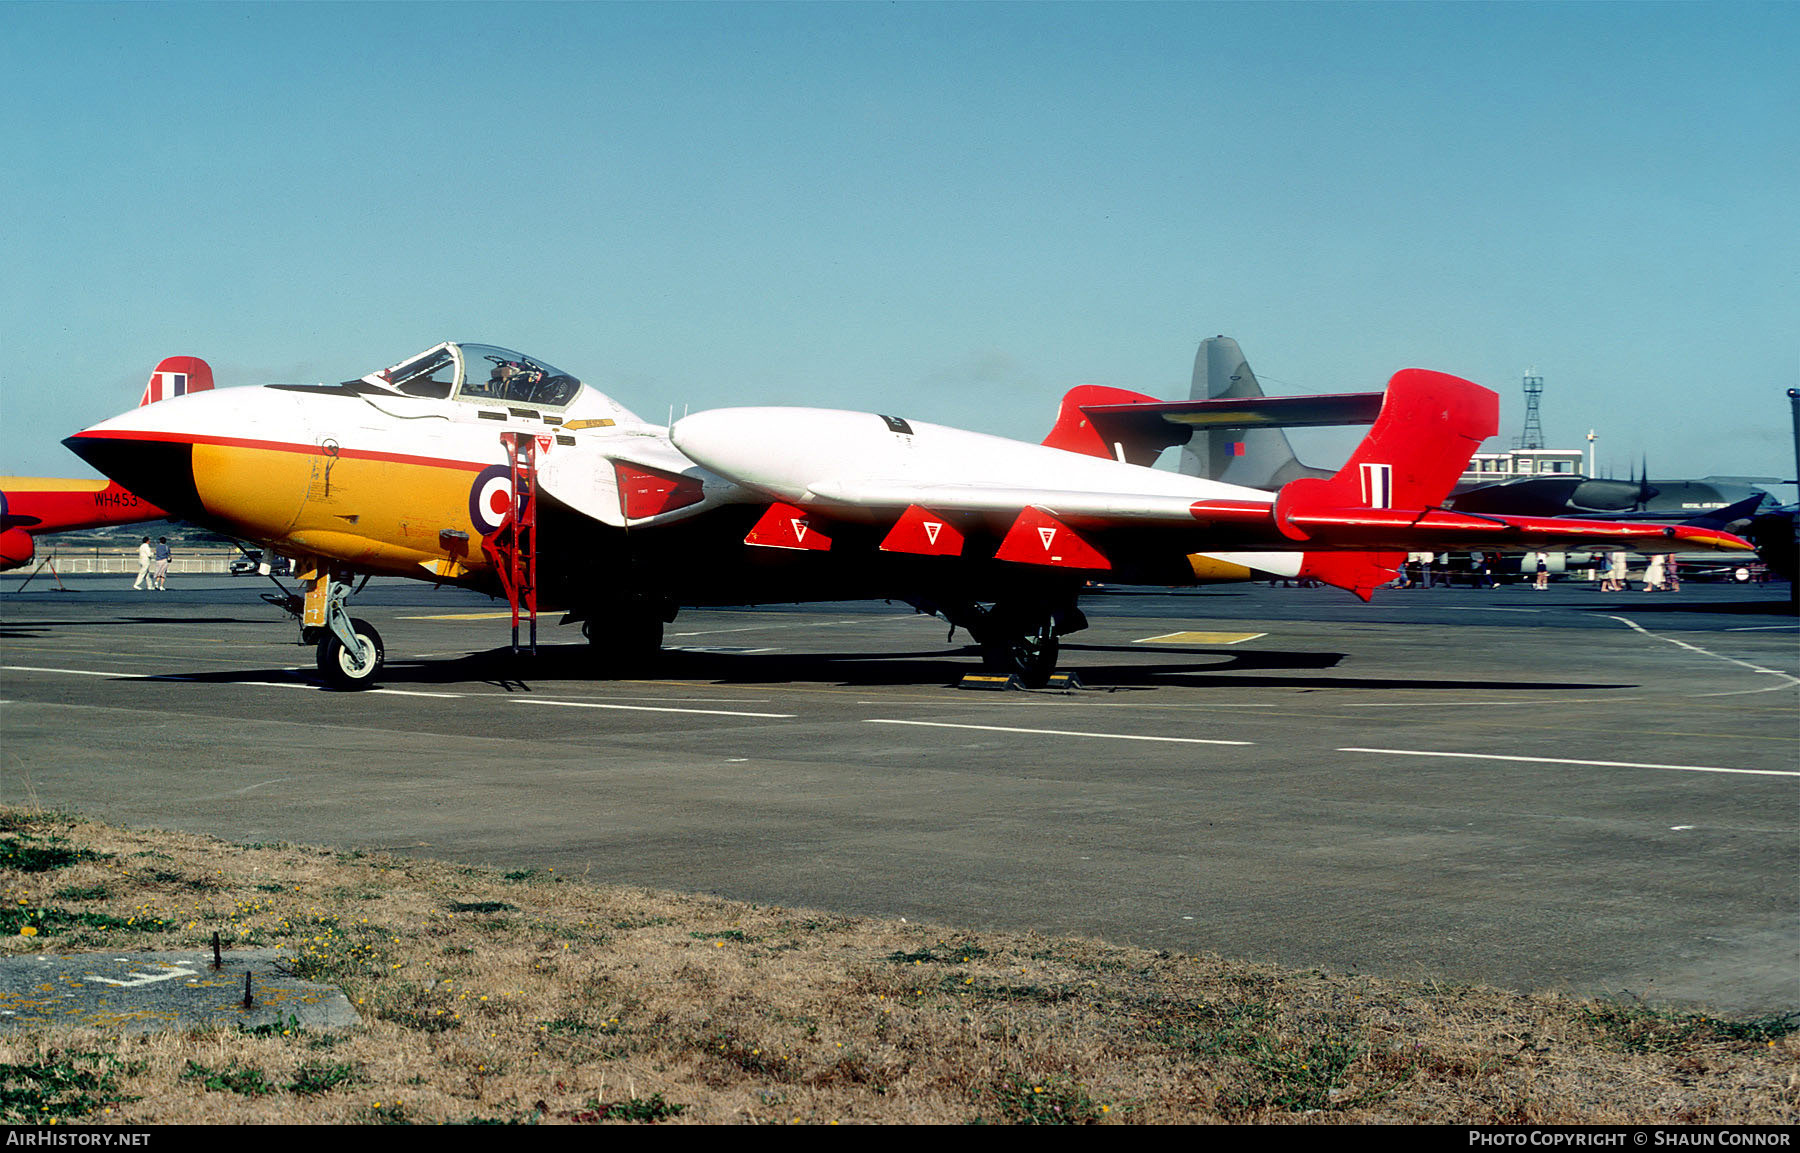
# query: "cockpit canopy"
{"type": "Point", "coordinates": [480, 373]}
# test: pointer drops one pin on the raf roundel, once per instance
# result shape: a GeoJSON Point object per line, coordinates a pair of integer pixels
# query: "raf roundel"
{"type": "Point", "coordinates": [491, 498]}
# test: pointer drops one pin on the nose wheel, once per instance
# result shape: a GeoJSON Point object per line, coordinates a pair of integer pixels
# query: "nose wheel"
{"type": "Point", "coordinates": [349, 651]}
{"type": "Point", "coordinates": [345, 668]}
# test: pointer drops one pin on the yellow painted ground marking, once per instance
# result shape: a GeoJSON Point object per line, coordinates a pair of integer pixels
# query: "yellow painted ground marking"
{"type": "Point", "coordinates": [466, 617]}
{"type": "Point", "coordinates": [1199, 638]}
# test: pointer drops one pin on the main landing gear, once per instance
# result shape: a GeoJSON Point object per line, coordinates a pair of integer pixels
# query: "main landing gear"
{"type": "Point", "coordinates": [1021, 637]}
{"type": "Point", "coordinates": [630, 637]}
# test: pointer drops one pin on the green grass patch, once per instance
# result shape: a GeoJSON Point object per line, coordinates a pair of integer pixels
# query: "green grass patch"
{"type": "Point", "coordinates": [62, 1086]}
{"type": "Point", "coordinates": [942, 953]}
{"type": "Point", "coordinates": [244, 1080]}
{"type": "Point", "coordinates": [720, 935]}
{"type": "Point", "coordinates": [482, 907]}
{"type": "Point", "coordinates": [29, 854]}
{"type": "Point", "coordinates": [1641, 1029]}
{"type": "Point", "coordinates": [48, 920]}
{"type": "Point", "coordinates": [1048, 1101]}
{"type": "Point", "coordinates": [310, 1080]}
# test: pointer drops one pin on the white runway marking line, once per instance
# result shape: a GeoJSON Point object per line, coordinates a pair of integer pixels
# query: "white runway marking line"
{"type": "Point", "coordinates": [652, 709]}
{"type": "Point", "coordinates": [1792, 681]}
{"type": "Point", "coordinates": [124, 676]}
{"type": "Point", "coordinates": [416, 693]}
{"type": "Point", "coordinates": [1052, 732]}
{"type": "Point", "coordinates": [1572, 761]}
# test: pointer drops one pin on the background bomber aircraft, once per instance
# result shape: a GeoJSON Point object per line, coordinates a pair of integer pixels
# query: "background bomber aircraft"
{"type": "Point", "coordinates": [480, 466]}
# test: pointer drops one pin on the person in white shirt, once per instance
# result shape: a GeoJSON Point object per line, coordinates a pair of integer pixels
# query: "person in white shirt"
{"type": "Point", "coordinates": [144, 555]}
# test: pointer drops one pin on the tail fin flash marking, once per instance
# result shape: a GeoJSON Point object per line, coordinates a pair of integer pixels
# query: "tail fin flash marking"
{"type": "Point", "coordinates": [1377, 485]}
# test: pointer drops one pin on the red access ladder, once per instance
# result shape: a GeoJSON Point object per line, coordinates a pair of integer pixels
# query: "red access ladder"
{"type": "Point", "coordinates": [513, 546]}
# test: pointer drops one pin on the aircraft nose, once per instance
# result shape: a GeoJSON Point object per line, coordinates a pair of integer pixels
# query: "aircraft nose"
{"type": "Point", "coordinates": [159, 471]}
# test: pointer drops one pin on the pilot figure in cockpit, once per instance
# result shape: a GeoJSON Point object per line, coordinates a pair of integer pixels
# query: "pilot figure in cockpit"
{"type": "Point", "coordinates": [500, 379]}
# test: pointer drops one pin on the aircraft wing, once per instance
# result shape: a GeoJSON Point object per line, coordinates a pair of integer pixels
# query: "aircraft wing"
{"type": "Point", "coordinates": [946, 492]}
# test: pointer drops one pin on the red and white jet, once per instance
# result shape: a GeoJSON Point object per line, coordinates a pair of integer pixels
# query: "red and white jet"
{"type": "Point", "coordinates": [480, 466]}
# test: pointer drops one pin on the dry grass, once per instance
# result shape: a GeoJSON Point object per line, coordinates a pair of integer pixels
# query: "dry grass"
{"type": "Point", "coordinates": [532, 998]}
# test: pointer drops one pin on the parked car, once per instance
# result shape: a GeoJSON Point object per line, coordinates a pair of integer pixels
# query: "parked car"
{"type": "Point", "coordinates": [246, 565]}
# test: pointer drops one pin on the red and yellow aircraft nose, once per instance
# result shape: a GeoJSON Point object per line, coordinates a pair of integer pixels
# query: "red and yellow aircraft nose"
{"type": "Point", "coordinates": [209, 458]}
{"type": "Point", "coordinates": [274, 464]}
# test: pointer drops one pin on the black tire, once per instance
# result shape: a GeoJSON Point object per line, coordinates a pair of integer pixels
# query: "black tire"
{"type": "Point", "coordinates": [336, 665]}
{"type": "Point", "coordinates": [624, 643]}
{"type": "Point", "coordinates": [1031, 658]}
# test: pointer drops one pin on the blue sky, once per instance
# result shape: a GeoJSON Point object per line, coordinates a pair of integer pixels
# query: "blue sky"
{"type": "Point", "coordinates": [949, 212]}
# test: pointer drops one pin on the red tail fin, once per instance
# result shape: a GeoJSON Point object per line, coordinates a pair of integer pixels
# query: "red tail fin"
{"type": "Point", "coordinates": [177, 376]}
{"type": "Point", "coordinates": [1430, 425]}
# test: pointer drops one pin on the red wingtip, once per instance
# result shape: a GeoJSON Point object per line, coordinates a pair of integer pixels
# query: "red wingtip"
{"type": "Point", "coordinates": [177, 376]}
{"type": "Point", "coordinates": [1075, 432]}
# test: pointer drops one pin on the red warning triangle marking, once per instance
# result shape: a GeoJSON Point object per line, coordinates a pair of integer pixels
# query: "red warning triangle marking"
{"type": "Point", "coordinates": [784, 526]}
{"type": "Point", "coordinates": [923, 533]}
{"type": "Point", "coordinates": [1072, 549]}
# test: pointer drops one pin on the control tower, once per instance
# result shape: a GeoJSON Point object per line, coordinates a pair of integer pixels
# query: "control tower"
{"type": "Point", "coordinates": [1533, 436]}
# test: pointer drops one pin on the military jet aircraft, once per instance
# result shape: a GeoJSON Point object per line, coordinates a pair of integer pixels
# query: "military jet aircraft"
{"type": "Point", "coordinates": [480, 466]}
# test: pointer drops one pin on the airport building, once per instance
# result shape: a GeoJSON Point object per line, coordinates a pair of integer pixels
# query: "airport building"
{"type": "Point", "coordinates": [1486, 467]}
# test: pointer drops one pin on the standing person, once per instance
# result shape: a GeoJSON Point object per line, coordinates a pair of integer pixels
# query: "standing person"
{"type": "Point", "coordinates": [1674, 574]}
{"type": "Point", "coordinates": [162, 555]}
{"type": "Point", "coordinates": [1543, 570]}
{"type": "Point", "coordinates": [1653, 576]}
{"type": "Point", "coordinates": [144, 557]}
{"type": "Point", "coordinates": [1615, 575]}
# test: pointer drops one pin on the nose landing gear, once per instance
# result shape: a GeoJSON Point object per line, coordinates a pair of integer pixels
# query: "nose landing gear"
{"type": "Point", "coordinates": [350, 653]}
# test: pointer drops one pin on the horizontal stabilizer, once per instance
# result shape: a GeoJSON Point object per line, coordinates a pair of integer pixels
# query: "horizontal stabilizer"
{"type": "Point", "coordinates": [1345, 408]}
{"type": "Point", "coordinates": [1383, 529]}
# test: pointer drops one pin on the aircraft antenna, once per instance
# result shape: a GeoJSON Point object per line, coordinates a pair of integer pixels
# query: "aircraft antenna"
{"type": "Point", "coordinates": [1534, 430]}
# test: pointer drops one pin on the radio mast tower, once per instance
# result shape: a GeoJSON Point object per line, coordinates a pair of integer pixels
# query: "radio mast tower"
{"type": "Point", "coordinates": [1534, 429]}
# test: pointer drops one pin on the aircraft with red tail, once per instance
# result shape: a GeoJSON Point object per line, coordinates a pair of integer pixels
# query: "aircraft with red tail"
{"type": "Point", "coordinates": [479, 466]}
{"type": "Point", "coordinates": [33, 506]}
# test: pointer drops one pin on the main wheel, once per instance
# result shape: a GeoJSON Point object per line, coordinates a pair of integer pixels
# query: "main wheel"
{"type": "Point", "coordinates": [626, 642]}
{"type": "Point", "coordinates": [1031, 657]}
{"type": "Point", "coordinates": [339, 666]}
